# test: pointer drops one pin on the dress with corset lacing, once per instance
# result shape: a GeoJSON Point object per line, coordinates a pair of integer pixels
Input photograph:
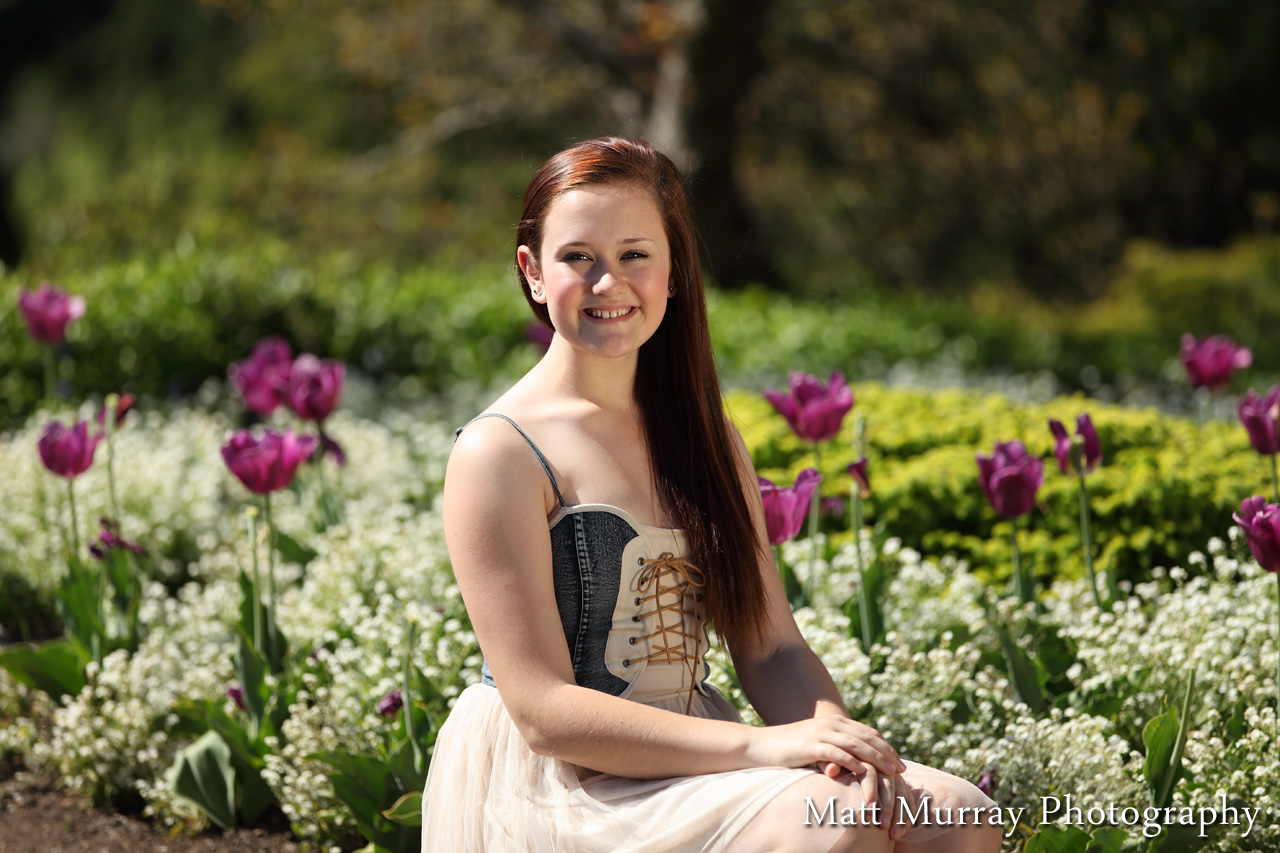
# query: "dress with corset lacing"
{"type": "Point", "coordinates": [629, 602]}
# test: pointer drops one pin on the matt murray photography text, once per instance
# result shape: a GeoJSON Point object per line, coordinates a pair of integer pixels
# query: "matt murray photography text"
{"type": "Point", "coordinates": [1064, 809]}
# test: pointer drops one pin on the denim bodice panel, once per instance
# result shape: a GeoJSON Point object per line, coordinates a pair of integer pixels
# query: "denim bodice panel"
{"type": "Point", "coordinates": [597, 556]}
{"type": "Point", "coordinates": [615, 612]}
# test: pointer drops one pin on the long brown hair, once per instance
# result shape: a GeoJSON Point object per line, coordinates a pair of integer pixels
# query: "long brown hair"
{"type": "Point", "coordinates": [676, 386]}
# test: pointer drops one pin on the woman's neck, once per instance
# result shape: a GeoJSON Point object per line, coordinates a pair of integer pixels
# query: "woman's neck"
{"type": "Point", "coordinates": [605, 382]}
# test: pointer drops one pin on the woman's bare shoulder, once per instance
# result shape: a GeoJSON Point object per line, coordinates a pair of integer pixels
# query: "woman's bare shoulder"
{"type": "Point", "coordinates": [492, 459]}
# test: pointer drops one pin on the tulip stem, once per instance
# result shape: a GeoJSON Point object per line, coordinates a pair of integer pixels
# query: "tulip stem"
{"type": "Point", "coordinates": [1275, 478]}
{"type": "Point", "coordinates": [864, 594]}
{"type": "Point", "coordinates": [1086, 537]}
{"type": "Point", "coordinates": [814, 501]}
{"type": "Point", "coordinates": [1021, 583]}
{"type": "Point", "coordinates": [407, 697]}
{"type": "Point", "coordinates": [75, 522]}
{"type": "Point", "coordinates": [271, 574]}
{"type": "Point", "coordinates": [326, 509]}
{"type": "Point", "coordinates": [50, 367]}
{"type": "Point", "coordinates": [252, 516]}
{"type": "Point", "coordinates": [110, 422]}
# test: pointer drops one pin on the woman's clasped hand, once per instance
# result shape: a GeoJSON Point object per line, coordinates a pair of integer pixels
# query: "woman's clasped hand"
{"type": "Point", "coordinates": [837, 746]}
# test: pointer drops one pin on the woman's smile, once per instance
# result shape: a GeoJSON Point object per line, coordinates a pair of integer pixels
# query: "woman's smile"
{"type": "Point", "coordinates": [609, 313]}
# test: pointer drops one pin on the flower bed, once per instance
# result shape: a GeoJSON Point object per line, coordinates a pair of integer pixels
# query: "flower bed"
{"type": "Point", "coordinates": [1037, 700]}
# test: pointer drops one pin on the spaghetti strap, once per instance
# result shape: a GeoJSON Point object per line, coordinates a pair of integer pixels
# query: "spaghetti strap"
{"type": "Point", "coordinates": [546, 466]}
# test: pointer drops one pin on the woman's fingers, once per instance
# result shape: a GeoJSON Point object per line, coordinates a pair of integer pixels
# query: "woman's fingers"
{"type": "Point", "coordinates": [871, 750]}
{"type": "Point", "coordinates": [890, 761]}
{"type": "Point", "coordinates": [903, 799]}
{"type": "Point", "coordinates": [870, 785]}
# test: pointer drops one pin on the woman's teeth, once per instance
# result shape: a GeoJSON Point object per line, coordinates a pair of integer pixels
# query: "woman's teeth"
{"type": "Point", "coordinates": [607, 315]}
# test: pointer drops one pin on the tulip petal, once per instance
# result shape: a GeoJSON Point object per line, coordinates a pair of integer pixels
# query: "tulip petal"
{"type": "Point", "coordinates": [1092, 444]}
{"type": "Point", "coordinates": [1061, 445]}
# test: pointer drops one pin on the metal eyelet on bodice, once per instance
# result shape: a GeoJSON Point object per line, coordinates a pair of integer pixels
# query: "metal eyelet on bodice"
{"type": "Point", "coordinates": [677, 577]}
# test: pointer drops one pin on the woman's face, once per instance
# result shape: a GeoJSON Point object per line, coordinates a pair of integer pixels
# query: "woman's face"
{"type": "Point", "coordinates": [604, 268]}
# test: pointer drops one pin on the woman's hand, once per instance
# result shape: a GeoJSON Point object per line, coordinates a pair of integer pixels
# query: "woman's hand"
{"type": "Point", "coordinates": [844, 746]}
{"type": "Point", "coordinates": [824, 740]}
{"type": "Point", "coordinates": [892, 793]}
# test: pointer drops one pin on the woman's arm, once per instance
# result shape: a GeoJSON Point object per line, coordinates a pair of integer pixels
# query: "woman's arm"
{"type": "Point", "coordinates": [496, 503]}
{"type": "Point", "coordinates": [782, 677]}
{"type": "Point", "coordinates": [786, 682]}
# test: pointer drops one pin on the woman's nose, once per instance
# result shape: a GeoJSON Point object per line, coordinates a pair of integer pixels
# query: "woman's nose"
{"type": "Point", "coordinates": [607, 281]}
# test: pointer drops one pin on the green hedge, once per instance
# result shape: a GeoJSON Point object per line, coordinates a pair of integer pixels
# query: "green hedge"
{"type": "Point", "coordinates": [1167, 484]}
{"type": "Point", "coordinates": [161, 324]}
{"type": "Point", "coordinates": [162, 327]}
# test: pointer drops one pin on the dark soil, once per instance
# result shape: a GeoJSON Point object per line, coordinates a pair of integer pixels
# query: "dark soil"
{"type": "Point", "coordinates": [39, 816]}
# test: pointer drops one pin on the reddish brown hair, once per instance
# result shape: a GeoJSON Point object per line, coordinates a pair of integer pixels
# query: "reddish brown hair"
{"type": "Point", "coordinates": [690, 450]}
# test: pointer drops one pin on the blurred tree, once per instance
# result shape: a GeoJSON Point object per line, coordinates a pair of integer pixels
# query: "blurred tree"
{"type": "Point", "coordinates": [673, 71]}
{"type": "Point", "coordinates": [31, 31]}
{"type": "Point", "coordinates": [922, 143]}
{"type": "Point", "coordinates": [942, 142]}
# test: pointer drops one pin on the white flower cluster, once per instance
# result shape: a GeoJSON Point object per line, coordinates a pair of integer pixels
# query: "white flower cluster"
{"type": "Point", "coordinates": [113, 737]}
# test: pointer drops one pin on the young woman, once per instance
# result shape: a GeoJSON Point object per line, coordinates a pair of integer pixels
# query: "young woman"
{"type": "Point", "coordinates": [599, 516]}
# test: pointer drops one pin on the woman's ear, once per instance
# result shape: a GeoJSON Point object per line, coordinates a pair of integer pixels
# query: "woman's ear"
{"type": "Point", "coordinates": [529, 266]}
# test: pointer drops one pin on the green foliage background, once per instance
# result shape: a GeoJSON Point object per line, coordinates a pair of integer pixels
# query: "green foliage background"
{"type": "Point", "coordinates": [161, 322]}
{"type": "Point", "coordinates": [1166, 487]}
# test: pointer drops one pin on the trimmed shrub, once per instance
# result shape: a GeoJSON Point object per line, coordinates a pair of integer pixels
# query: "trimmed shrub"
{"type": "Point", "coordinates": [1167, 484]}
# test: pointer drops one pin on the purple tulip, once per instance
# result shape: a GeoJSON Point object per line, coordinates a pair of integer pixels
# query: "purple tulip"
{"type": "Point", "coordinates": [68, 452]}
{"type": "Point", "coordinates": [833, 506]}
{"type": "Point", "coordinates": [390, 705]}
{"type": "Point", "coordinates": [108, 538]}
{"type": "Point", "coordinates": [1262, 420]}
{"type": "Point", "coordinates": [263, 378]}
{"type": "Point", "coordinates": [815, 411]}
{"type": "Point", "coordinates": [236, 694]}
{"type": "Point", "coordinates": [987, 782]}
{"type": "Point", "coordinates": [1211, 361]}
{"type": "Point", "coordinates": [267, 464]}
{"type": "Point", "coordinates": [1091, 445]}
{"type": "Point", "coordinates": [1010, 478]}
{"type": "Point", "coordinates": [1261, 523]}
{"type": "Point", "coordinates": [315, 387]}
{"type": "Point", "coordinates": [48, 311]}
{"type": "Point", "coordinates": [539, 335]}
{"type": "Point", "coordinates": [786, 507]}
{"type": "Point", "coordinates": [858, 471]}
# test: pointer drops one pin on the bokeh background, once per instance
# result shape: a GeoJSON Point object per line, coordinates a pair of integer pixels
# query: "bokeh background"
{"type": "Point", "coordinates": [1054, 187]}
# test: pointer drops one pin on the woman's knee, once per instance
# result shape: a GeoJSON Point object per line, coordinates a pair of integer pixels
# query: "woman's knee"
{"type": "Point", "coordinates": [836, 819]}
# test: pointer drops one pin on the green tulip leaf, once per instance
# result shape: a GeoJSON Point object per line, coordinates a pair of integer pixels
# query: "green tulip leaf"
{"type": "Point", "coordinates": [250, 668]}
{"type": "Point", "coordinates": [1108, 839]}
{"type": "Point", "coordinates": [366, 807]}
{"type": "Point", "coordinates": [407, 810]}
{"type": "Point", "coordinates": [1027, 673]}
{"type": "Point", "coordinates": [1236, 726]}
{"type": "Point", "coordinates": [203, 774]}
{"type": "Point", "coordinates": [792, 587]}
{"type": "Point", "coordinates": [55, 667]}
{"type": "Point", "coordinates": [408, 764]}
{"type": "Point", "coordinates": [290, 550]}
{"type": "Point", "coordinates": [1055, 839]}
{"type": "Point", "coordinates": [1164, 737]}
{"type": "Point", "coordinates": [1183, 838]}
{"type": "Point", "coordinates": [79, 606]}
{"type": "Point", "coordinates": [255, 794]}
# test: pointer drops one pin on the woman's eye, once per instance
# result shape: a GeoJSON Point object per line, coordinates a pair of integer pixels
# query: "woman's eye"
{"type": "Point", "coordinates": [576, 256]}
{"type": "Point", "coordinates": [634, 254]}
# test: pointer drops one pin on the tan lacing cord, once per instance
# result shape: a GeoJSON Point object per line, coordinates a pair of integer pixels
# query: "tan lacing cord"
{"type": "Point", "coordinates": [688, 579]}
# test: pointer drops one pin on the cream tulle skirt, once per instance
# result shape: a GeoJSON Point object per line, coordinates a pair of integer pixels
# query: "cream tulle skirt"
{"type": "Point", "coordinates": [487, 792]}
